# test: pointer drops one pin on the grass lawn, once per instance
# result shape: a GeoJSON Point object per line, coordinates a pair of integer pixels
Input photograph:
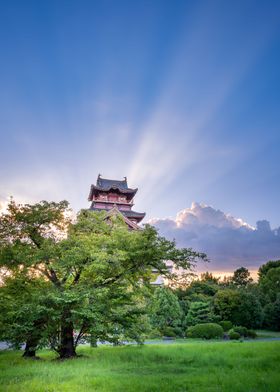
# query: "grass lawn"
{"type": "Point", "coordinates": [262, 333]}
{"type": "Point", "coordinates": [195, 367]}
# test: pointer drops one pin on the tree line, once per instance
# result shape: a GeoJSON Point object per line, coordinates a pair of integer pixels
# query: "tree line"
{"type": "Point", "coordinates": [236, 299]}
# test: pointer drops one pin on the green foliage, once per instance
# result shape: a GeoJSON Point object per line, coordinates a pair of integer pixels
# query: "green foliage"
{"type": "Point", "coordinates": [96, 275]}
{"type": "Point", "coordinates": [208, 277]}
{"type": "Point", "coordinates": [199, 312]}
{"type": "Point", "coordinates": [165, 311]}
{"type": "Point", "coordinates": [169, 332]}
{"type": "Point", "coordinates": [233, 335]}
{"type": "Point", "coordinates": [205, 331]}
{"type": "Point", "coordinates": [270, 283]}
{"type": "Point", "coordinates": [241, 277]}
{"type": "Point", "coordinates": [243, 331]}
{"type": "Point", "coordinates": [179, 331]}
{"type": "Point", "coordinates": [200, 291]}
{"type": "Point", "coordinates": [263, 270]}
{"type": "Point", "coordinates": [226, 325]}
{"type": "Point", "coordinates": [227, 303]}
{"type": "Point", "coordinates": [272, 315]}
{"type": "Point", "coordinates": [250, 311]}
{"type": "Point", "coordinates": [238, 306]}
{"type": "Point", "coordinates": [251, 334]}
{"type": "Point", "coordinates": [24, 310]}
{"type": "Point", "coordinates": [154, 334]}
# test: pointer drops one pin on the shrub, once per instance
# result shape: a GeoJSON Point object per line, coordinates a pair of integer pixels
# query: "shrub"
{"type": "Point", "coordinates": [226, 325]}
{"type": "Point", "coordinates": [200, 312]}
{"type": "Point", "coordinates": [178, 331]}
{"type": "Point", "coordinates": [205, 331]}
{"type": "Point", "coordinates": [241, 330]}
{"type": "Point", "coordinates": [233, 335]}
{"type": "Point", "coordinates": [251, 334]}
{"type": "Point", "coordinates": [154, 334]}
{"type": "Point", "coordinates": [169, 332]}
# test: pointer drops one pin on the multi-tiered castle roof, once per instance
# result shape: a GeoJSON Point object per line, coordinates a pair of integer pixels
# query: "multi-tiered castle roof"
{"type": "Point", "coordinates": [115, 196]}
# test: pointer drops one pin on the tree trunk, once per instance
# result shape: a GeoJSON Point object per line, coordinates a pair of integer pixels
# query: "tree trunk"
{"type": "Point", "coordinates": [30, 348]}
{"type": "Point", "coordinates": [67, 348]}
{"type": "Point", "coordinates": [93, 341]}
{"type": "Point", "coordinates": [33, 339]}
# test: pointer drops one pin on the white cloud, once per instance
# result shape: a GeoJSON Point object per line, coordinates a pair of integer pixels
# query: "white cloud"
{"type": "Point", "coordinates": [200, 213]}
{"type": "Point", "coordinates": [228, 241]}
{"type": "Point", "coordinates": [3, 204]}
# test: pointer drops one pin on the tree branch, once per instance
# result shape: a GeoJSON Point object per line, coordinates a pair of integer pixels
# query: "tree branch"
{"type": "Point", "coordinates": [80, 334]}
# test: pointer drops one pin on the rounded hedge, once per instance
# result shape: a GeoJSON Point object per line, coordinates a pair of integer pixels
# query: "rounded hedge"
{"type": "Point", "coordinates": [169, 332]}
{"type": "Point", "coordinates": [251, 334]}
{"type": "Point", "coordinates": [205, 331]}
{"type": "Point", "coordinates": [226, 325]}
{"type": "Point", "coordinates": [233, 335]}
{"type": "Point", "coordinates": [243, 331]}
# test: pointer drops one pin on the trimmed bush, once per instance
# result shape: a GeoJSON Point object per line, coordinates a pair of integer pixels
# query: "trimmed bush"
{"type": "Point", "coordinates": [154, 334]}
{"type": "Point", "coordinates": [178, 331]}
{"type": "Point", "coordinates": [200, 312]}
{"type": "Point", "coordinates": [169, 332]}
{"type": "Point", "coordinates": [251, 334]}
{"type": "Point", "coordinates": [226, 325]}
{"type": "Point", "coordinates": [205, 331]}
{"type": "Point", "coordinates": [233, 335]}
{"type": "Point", "coordinates": [241, 330]}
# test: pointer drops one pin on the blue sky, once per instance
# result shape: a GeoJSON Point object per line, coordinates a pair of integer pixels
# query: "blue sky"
{"type": "Point", "coordinates": [182, 97]}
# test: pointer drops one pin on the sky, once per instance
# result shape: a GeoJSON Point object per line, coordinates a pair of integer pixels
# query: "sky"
{"type": "Point", "coordinates": [182, 97]}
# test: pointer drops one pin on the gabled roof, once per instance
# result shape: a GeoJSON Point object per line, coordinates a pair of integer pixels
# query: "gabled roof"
{"type": "Point", "coordinates": [105, 185]}
{"type": "Point", "coordinates": [127, 214]}
{"type": "Point", "coordinates": [114, 211]}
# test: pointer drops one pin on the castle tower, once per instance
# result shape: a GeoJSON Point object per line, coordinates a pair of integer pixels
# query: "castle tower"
{"type": "Point", "coordinates": [115, 196]}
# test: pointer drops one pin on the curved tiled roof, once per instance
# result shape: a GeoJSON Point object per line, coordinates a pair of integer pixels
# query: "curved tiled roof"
{"type": "Point", "coordinates": [133, 214]}
{"type": "Point", "coordinates": [105, 185]}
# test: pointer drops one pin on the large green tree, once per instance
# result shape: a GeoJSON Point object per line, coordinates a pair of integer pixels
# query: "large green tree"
{"type": "Point", "coordinates": [263, 270]}
{"type": "Point", "coordinates": [269, 280]}
{"type": "Point", "coordinates": [241, 278]}
{"type": "Point", "coordinates": [269, 284]}
{"type": "Point", "coordinates": [93, 272]}
{"type": "Point", "coordinates": [238, 306]}
{"type": "Point", "coordinates": [165, 311]}
{"type": "Point", "coordinates": [272, 314]}
{"type": "Point", "coordinates": [227, 303]}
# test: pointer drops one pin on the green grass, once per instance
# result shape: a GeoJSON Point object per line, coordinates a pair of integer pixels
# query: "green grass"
{"type": "Point", "coordinates": [194, 367]}
{"type": "Point", "coordinates": [262, 333]}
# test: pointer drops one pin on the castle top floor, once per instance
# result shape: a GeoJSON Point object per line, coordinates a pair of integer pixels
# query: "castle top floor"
{"type": "Point", "coordinates": [111, 190]}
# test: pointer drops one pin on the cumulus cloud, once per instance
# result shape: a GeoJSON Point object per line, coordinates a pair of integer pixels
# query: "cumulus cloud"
{"type": "Point", "coordinates": [3, 204]}
{"type": "Point", "coordinates": [228, 241]}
